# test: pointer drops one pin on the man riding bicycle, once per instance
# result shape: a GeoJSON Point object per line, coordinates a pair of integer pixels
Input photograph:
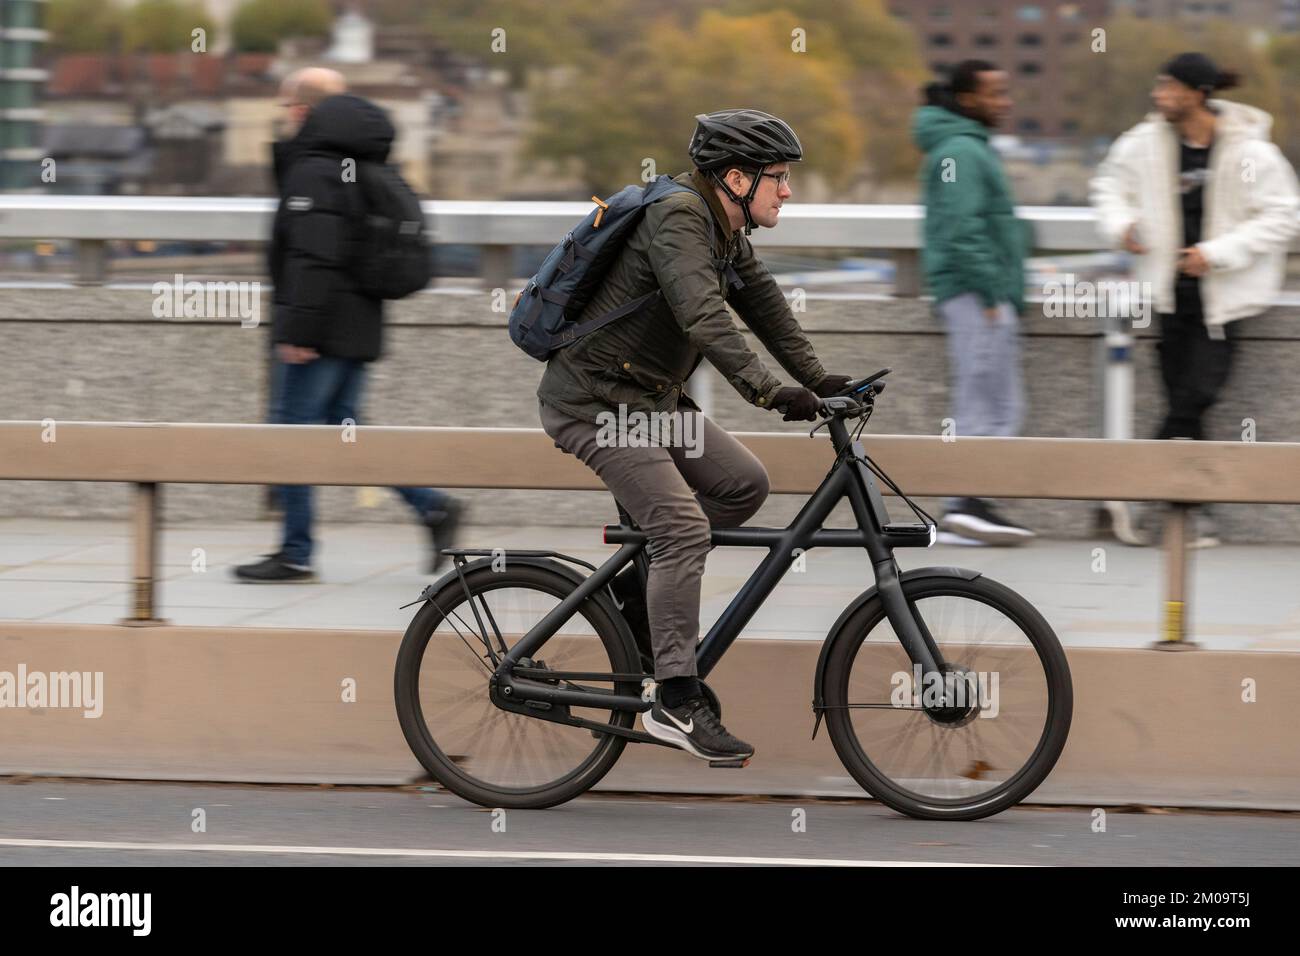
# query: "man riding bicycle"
{"type": "Point", "coordinates": [689, 246]}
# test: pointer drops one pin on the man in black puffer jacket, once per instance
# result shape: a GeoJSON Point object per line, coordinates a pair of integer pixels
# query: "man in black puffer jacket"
{"type": "Point", "coordinates": [325, 328]}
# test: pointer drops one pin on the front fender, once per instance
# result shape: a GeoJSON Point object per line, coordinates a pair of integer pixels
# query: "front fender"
{"type": "Point", "coordinates": [871, 594]}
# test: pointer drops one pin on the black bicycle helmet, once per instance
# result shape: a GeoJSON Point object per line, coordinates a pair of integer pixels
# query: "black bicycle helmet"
{"type": "Point", "coordinates": [750, 139]}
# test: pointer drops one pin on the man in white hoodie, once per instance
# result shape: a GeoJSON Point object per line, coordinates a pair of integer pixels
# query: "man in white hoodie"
{"type": "Point", "coordinates": [1208, 205]}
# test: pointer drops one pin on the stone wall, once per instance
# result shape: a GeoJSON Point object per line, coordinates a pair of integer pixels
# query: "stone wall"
{"type": "Point", "coordinates": [99, 354]}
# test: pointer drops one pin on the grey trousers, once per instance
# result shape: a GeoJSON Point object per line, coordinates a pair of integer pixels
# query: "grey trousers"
{"type": "Point", "coordinates": [675, 498]}
{"type": "Point", "coordinates": [988, 396]}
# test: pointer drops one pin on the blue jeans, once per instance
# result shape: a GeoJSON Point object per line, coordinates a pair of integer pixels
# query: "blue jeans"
{"type": "Point", "coordinates": [325, 391]}
{"type": "Point", "coordinates": [988, 394]}
{"type": "Point", "coordinates": [275, 414]}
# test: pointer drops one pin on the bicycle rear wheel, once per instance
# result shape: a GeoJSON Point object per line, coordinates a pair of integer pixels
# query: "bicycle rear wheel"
{"type": "Point", "coordinates": [897, 738]}
{"type": "Point", "coordinates": [486, 755]}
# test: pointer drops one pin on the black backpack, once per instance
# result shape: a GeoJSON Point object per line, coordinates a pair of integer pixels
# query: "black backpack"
{"type": "Point", "coordinates": [392, 255]}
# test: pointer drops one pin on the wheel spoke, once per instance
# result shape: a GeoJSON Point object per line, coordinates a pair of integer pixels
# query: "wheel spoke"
{"type": "Point", "coordinates": [496, 750]}
{"type": "Point", "coordinates": [979, 637]}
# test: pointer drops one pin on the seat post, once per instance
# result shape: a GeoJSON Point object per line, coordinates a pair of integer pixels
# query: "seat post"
{"type": "Point", "coordinates": [624, 518]}
{"type": "Point", "coordinates": [642, 560]}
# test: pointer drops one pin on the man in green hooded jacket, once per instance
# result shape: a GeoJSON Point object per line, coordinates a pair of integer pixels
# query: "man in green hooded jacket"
{"type": "Point", "coordinates": [973, 260]}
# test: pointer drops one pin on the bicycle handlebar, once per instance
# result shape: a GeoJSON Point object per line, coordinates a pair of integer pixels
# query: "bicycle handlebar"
{"type": "Point", "coordinates": [855, 398]}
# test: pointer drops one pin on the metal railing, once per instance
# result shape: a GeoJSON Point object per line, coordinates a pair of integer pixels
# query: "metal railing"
{"type": "Point", "coordinates": [495, 227]}
{"type": "Point", "coordinates": [149, 455]}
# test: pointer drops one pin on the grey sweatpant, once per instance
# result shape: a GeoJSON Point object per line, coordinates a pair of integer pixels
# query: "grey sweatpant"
{"type": "Point", "coordinates": [675, 498]}
{"type": "Point", "coordinates": [987, 391]}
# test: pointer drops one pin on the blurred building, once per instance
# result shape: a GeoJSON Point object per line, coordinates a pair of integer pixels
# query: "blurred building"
{"type": "Point", "coordinates": [206, 121]}
{"type": "Point", "coordinates": [92, 159]}
{"type": "Point", "coordinates": [148, 123]}
{"type": "Point", "coordinates": [21, 116]}
{"type": "Point", "coordinates": [1027, 40]}
{"type": "Point", "coordinates": [1264, 16]}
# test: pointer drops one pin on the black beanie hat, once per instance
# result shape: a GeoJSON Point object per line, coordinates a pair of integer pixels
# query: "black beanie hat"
{"type": "Point", "coordinates": [1196, 70]}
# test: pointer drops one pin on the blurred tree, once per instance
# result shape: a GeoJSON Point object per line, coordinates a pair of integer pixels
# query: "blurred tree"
{"type": "Point", "coordinates": [1111, 90]}
{"type": "Point", "coordinates": [1284, 52]}
{"type": "Point", "coordinates": [640, 103]}
{"type": "Point", "coordinates": [618, 78]}
{"type": "Point", "coordinates": [83, 26]}
{"type": "Point", "coordinates": [413, 14]}
{"type": "Point", "coordinates": [164, 26]}
{"type": "Point", "coordinates": [882, 60]}
{"type": "Point", "coordinates": [536, 34]}
{"type": "Point", "coordinates": [258, 26]}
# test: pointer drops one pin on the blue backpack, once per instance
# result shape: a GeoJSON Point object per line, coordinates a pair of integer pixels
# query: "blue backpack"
{"type": "Point", "coordinates": [545, 314]}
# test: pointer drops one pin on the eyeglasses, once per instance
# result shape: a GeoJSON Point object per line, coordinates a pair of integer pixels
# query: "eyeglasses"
{"type": "Point", "coordinates": [782, 179]}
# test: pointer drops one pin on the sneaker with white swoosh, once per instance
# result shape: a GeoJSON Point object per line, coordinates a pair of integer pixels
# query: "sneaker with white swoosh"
{"type": "Point", "coordinates": [695, 728]}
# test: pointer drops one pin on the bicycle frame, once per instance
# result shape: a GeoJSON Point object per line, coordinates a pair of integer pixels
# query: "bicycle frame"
{"type": "Point", "coordinates": [848, 477]}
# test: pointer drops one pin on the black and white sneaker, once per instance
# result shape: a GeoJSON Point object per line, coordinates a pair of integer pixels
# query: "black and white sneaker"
{"type": "Point", "coordinates": [695, 728]}
{"type": "Point", "coordinates": [977, 519]}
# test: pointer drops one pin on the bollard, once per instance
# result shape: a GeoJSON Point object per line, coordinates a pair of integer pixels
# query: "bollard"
{"type": "Point", "coordinates": [498, 264]}
{"type": "Point", "coordinates": [92, 261]}
{"type": "Point", "coordinates": [144, 560]}
{"type": "Point", "coordinates": [907, 273]}
{"type": "Point", "coordinates": [1174, 619]}
{"type": "Point", "coordinates": [1117, 417]}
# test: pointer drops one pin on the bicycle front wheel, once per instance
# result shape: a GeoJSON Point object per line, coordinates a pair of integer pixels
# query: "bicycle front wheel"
{"type": "Point", "coordinates": [486, 755]}
{"type": "Point", "coordinates": [972, 744]}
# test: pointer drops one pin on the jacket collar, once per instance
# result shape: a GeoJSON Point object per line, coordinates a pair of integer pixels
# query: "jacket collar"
{"type": "Point", "coordinates": [701, 184]}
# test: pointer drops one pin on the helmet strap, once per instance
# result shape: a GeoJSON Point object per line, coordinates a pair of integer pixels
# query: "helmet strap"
{"type": "Point", "coordinates": [743, 202]}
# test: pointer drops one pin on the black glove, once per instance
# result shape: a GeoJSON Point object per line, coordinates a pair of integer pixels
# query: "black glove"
{"type": "Point", "coordinates": [831, 385]}
{"type": "Point", "coordinates": [798, 404]}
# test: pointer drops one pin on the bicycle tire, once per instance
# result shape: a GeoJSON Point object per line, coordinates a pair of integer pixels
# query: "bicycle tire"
{"type": "Point", "coordinates": [621, 657]}
{"type": "Point", "coordinates": [854, 634]}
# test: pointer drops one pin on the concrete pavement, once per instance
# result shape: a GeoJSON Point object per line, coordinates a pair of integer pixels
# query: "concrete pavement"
{"type": "Point", "coordinates": [1095, 593]}
{"type": "Point", "coordinates": [82, 823]}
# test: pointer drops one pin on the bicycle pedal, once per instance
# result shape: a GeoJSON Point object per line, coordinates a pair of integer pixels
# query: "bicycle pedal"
{"type": "Point", "coordinates": [730, 763]}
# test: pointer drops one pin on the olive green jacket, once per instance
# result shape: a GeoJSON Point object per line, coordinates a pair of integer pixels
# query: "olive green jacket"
{"type": "Point", "coordinates": [642, 360]}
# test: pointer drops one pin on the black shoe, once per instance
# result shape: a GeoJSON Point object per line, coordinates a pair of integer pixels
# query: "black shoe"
{"type": "Point", "coordinates": [627, 588]}
{"type": "Point", "coordinates": [274, 570]}
{"type": "Point", "coordinates": [695, 728]}
{"type": "Point", "coordinates": [443, 525]}
{"type": "Point", "coordinates": [977, 519]}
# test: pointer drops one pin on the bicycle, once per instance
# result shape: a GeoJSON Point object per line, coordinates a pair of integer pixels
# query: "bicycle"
{"type": "Point", "coordinates": [496, 724]}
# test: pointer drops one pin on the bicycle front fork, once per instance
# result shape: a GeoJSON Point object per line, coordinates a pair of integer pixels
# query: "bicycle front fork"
{"type": "Point", "coordinates": [912, 633]}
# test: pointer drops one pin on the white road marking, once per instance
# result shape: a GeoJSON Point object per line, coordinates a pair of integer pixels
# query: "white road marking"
{"type": "Point", "coordinates": [462, 854]}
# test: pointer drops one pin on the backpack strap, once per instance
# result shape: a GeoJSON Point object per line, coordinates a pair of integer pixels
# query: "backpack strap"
{"type": "Point", "coordinates": [570, 333]}
{"type": "Point", "coordinates": [722, 266]}
{"type": "Point", "coordinates": [572, 252]}
{"type": "Point", "coordinates": [540, 296]}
